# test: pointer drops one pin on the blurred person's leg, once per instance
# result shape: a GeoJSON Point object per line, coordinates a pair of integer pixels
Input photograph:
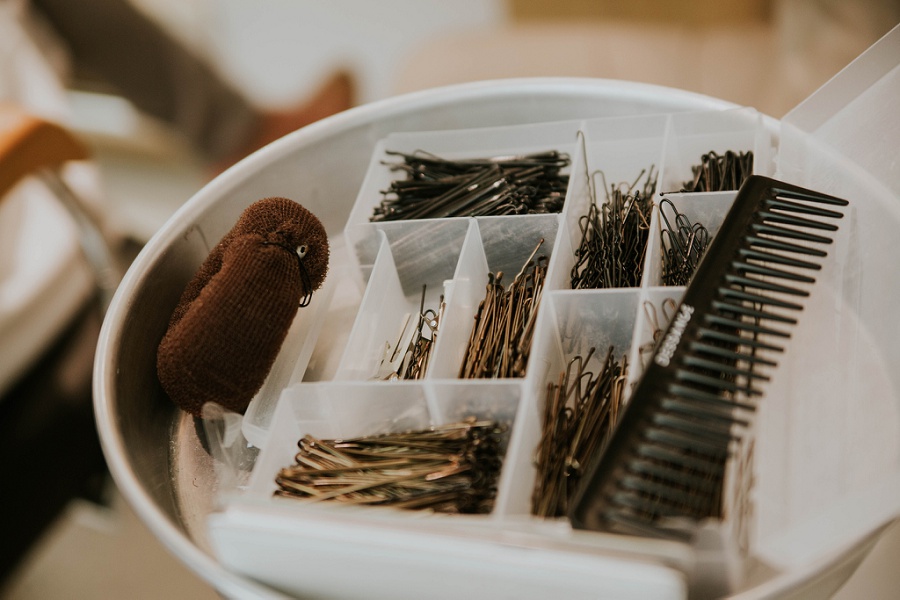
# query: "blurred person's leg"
{"type": "Point", "coordinates": [48, 441]}
{"type": "Point", "coordinates": [114, 41]}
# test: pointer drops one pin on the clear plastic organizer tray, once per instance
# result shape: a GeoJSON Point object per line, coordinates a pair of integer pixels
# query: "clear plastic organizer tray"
{"type": "Point", "coordinates": [392, 261]}
{"type": "Point", "coordinates": [452, 258]}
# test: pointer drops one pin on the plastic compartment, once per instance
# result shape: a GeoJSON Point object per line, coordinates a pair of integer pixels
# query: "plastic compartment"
{"type": "Point", "coordinates": [612, 152]}
{"type": "Point", "coordinates": [656, 311]}
{"type": "Point", "coordinates": [572, 323]}
{"type": "Point", "coordinates": [331, 411]}
{"type": "Point", "coordinates": [391, 299]}
{"type": "Point", "coordinates": [701, 208]}
{"type": "Point", "coordinates": [422, 234]}
{"type": "Point", "coordinates": [338, 410]}
{"type": "Point", "coordinates": [691, 135]}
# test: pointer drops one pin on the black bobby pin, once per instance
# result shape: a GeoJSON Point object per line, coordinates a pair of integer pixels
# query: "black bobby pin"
{"type": "Point", "coordinates": [614, 236]}
{"type": "Point", "coordinates": [720, 172]}
{"type": "Point", "coordinates": [435, 187]}
{"type": "Point", "coordinates": [684, 244]}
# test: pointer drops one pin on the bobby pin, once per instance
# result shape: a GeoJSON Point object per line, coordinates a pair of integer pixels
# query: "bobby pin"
{"type": "Point", "coordinates": [669, 306]}
{"type": "Point", "coordinates": [614, 235]}
{"type": "Point", "coordinates": [500, 341]}
{"type": "Point", "coordinates": [435, 187]}
{"type": "Point", "coordinates": [580, 413]}
{"type": "Point", "coordinates": [449, 468]}
{"type": "Point", "coordinates": [719, 173]}
{"type": "Point", "coordinates": [684, 244]}
{"type": "Point", "coordinates": [408, 357]}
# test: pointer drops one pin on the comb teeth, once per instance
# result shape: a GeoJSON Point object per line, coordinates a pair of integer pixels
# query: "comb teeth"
{"type": "Point", "coordinates": [655, 470]}
{"type": "Point", "coordinates": [667, 456]}
{"type": "Point", "coordinates": [727, 321]}
{"type": "Point", "coordinates": [745, 267]}
{"type": "Point", "coordinates": [698, 397]}
{"type": "Point", "coordinates": [735, 340]}
{"type": "Point", "coordinates": [738, 293]}
{"type": "Point", "coordinates": [702, 363]}
{"type": "Point", "coordinates": [776, 217]}
{"type": "Point", "coordinates": [679, 461]}
{"type": "Point", "coordinates": [803, 209]}
{"type": "Point", "coordinates": [740, 309]}
{"type": "Point", "coordinates": [711, 414]}
{"type": "Point", "coordinates": [770, 244]}
{"type": "Point", "coordinates": [749, 254]}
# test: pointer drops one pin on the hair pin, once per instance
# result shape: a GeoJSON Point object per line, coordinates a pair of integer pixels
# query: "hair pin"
{"type": "Point", "coordinates": [500, 340]}
{"type": "Point", "coordinates": [720, 173]}
{"type": "Point", "coordinates": [580, 413]}
{"type": "Point", "coordinates": [614, 235]}
{"type": "Point", "coordinates": [435, 187]}
{"type": "Point", "coordinates": [684, 244]}
{"type": "Point", "coordinates": [408, 357]}
{"type": "Point", "coordinates": [447, 468]}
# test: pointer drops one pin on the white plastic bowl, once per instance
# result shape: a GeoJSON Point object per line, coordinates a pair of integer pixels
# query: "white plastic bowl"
{"type": "Point", "coordinates": [152, 449]}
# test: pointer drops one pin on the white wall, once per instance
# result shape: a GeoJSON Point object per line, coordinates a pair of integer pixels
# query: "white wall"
{"type": "Point", "coordinates": [278, 49]}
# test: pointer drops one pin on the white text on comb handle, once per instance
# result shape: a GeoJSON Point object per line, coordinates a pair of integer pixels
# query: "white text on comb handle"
{"type": "Point", "coordinates": [670, 343]}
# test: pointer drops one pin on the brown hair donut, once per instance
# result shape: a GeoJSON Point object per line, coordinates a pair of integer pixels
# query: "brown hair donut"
{"type": "Point", "coordinates": [233, 316]}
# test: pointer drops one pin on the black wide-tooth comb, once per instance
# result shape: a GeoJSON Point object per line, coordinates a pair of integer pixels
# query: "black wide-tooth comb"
{"type": "Point", "coordinates": [664, 465]}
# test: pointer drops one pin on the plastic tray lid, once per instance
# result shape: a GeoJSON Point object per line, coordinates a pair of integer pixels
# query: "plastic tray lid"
{"type": "Point", "coordinates": [842, 140]}
{"type": "Point", "coordinates": [854, 119]}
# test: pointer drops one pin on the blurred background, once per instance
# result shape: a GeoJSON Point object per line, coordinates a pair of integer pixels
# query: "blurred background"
{"type": "Point", "coordinates": [165, 94]}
